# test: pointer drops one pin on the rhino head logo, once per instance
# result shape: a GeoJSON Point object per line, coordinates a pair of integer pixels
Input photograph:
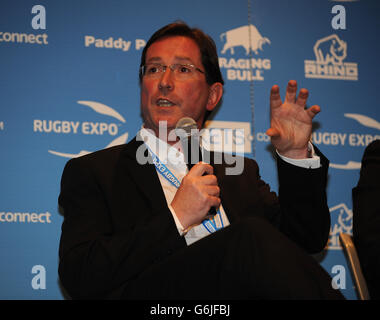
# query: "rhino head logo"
{"type": "Point", "coordinates": [342, 224]}
{"type": "Point", "coordinates": [246, 36]}
{"type": "Point", "coordinates": [330, 49]}
{"type": "Point", "coordinates": [344, 220]}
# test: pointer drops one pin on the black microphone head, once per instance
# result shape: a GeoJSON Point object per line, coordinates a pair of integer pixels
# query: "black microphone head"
{"type": "Point", "coordinates": [186, 127]}
{"type": "Point", "coordinates": [187, 130]}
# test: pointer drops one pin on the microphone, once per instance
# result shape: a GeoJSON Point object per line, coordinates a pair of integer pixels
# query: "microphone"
{"type": "Point", "coordinates": [187, 130]}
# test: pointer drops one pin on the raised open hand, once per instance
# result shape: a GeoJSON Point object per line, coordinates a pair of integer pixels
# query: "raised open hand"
{"type": "Point", "coordinates": [290, 121]}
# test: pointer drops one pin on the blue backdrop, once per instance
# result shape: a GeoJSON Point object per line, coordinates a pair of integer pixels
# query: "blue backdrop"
{"type": "Point", "coordinates": [69, 85]}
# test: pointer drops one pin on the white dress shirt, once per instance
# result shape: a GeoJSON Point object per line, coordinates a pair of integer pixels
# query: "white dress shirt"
{"type": "Point", "coordinates": [173, 159]}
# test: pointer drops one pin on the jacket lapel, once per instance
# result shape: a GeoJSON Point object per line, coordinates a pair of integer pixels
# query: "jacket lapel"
{"type": "Point", "coordinates": [144, 175]}
{"type": "Point", "coordinates": [227, 190]}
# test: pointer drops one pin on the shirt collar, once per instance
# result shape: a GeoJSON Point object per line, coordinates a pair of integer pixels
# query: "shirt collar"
{"type": "Point", "coordinates": [165, 152]}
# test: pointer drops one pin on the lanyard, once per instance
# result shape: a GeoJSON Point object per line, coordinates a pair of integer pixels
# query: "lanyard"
{"type": "Point", "coordinates": [211, 224]}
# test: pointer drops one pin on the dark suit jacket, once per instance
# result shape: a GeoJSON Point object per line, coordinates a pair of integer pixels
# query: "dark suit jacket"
{"type": "Point", "coordinates": [117, 222]}
{"type": "Point", "coordinates": [366, 220]}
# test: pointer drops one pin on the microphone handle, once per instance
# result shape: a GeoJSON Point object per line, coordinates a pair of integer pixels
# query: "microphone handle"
{"type": "Point", "coordinates": [191, 144]}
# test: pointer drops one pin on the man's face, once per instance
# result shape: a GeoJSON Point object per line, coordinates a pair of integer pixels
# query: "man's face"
{"type": "Point", "coordinates": [168, 99]}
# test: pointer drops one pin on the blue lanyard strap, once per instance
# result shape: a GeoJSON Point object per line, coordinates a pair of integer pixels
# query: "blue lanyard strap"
{"type": "Point", "coordinates": [212, 224]}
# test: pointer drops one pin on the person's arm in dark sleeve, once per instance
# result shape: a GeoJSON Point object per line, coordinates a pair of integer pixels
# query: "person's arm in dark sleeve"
{"type": "Point", "coordinates": [305, 216]}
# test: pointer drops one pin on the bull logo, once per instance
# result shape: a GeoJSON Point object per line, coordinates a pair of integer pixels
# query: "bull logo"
{"type": "Point", "coordinates": [246, 36]}
{"type": "Point", "coordinates": [330, 49]}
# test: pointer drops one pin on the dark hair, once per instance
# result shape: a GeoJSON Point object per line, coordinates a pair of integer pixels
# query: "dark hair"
{"type": "Point", "coordinates": [205, 43]}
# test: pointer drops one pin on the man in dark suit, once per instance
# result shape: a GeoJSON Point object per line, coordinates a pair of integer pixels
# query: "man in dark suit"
{"type": "Point", "coordinates": [141, 230]}
{"type": "Point", "coordinates": [366, 217]}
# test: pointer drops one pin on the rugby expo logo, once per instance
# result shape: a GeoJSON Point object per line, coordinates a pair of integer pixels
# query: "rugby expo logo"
{"type": "Point", "coordinates": [248, 68]}
{"type": "Point", "coordinates": [85, 127]}
{"type": "Point", "coordinates": [350, 139]}
{"type": "Point", "coordinates": [364, 140]}
{"type": "Point", "coordinates": [329, 53]}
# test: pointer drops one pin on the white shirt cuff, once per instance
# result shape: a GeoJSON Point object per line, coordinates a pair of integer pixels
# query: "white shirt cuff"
{"type": "Point", "coordinates": [178, 224]}
{"type": "Point", "coordinates": [309, 163]}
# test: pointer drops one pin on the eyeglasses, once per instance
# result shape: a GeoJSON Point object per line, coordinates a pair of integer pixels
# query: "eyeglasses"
{"type": "Point", "coordinates": [180, 71]}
